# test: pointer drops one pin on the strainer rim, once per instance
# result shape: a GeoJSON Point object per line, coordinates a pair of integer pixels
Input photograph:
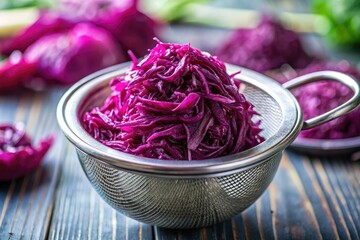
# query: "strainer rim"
{"type": "Point", "coordinates": [68, 119]}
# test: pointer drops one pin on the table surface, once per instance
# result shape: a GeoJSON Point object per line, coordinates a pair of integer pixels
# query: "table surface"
{"type": "Point", "coordinates": [309, 198]}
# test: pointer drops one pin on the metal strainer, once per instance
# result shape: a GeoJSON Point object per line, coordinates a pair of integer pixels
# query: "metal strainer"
{"type": "Point", "coordinates": [190, 194]}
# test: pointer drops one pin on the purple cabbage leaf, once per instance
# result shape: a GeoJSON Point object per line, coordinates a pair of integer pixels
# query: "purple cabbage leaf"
{"type": "Point", "coordinates": [17, 154]}
{"type": "Point", "coordinates": [15, 71]}
{"type": "Point", "coordinates": [71, 55]}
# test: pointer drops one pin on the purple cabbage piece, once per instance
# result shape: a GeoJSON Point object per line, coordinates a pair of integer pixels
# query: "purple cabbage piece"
{"type": "Point", "coordinates": [132, 29]}
{"type": "Point", "coordinates": [177, 103]}
{"type": "Point", "coordinates": [266, 47]}
{"type": "Point", "coordinates": [48, 23]}
{"type": "Point", "coordinates": [320, 97]}
{"type": "Point", "coordinates": [15, 71]}
{"type": "Point", "coordinates": [92, 10]}
{"type": "Point", "coordinates": [68, 56]}
{"type": "Point", "coordinates": [17, 156]}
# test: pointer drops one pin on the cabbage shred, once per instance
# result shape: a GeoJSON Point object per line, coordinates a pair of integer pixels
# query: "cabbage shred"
{"type": "Point", "coordinates": [177, 103]}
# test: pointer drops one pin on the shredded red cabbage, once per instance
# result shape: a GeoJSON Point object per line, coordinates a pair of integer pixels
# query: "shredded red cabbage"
{"type": "Point", "coordinates": [266, 47]}
{"type": "Point", "coordinates": [17, 156]}
{"type": "Point", "coordinates": [177, 103]}
{"type": "Point", "coordinates": [320, 97]}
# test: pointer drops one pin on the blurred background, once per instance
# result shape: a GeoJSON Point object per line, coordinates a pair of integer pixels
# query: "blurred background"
{"type": "Point", "coordinates": [46, 46]}
{"type": "Point", "coordinates": [326, 29]}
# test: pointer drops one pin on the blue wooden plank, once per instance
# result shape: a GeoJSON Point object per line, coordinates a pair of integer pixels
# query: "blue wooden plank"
{"type": "Point", "coordinates": [331, 198]}
{"type": "Point", "coordinates": [265, 213]}
{"type": "Point", "coordinates": [294, 213]}
{"type": "Point", "coordinates": [315, 193]}
{"type": "Point", "coordinates": [26, 203]}
{"type": "Point", "coordinates": [80, 213]}
{"type": "Point", "coordinates": [333, 175]}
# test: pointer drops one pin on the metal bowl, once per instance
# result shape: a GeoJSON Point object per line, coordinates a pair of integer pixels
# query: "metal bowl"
{"type": "Point", "coordinates": [347, 147]}
{"type": "Point", "coordinates": [190, 194]}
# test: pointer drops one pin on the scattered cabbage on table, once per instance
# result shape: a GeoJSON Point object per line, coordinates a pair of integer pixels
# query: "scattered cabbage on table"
{"type": "Point", "coordinates": [177, 103]}
{"type": "Point", "coordinates": [17, 154]}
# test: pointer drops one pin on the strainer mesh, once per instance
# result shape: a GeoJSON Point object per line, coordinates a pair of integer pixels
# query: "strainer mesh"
{"type": "Point", "coordinates": [269, 109]}
{"type": "Point", "coordinates": [177, 202]}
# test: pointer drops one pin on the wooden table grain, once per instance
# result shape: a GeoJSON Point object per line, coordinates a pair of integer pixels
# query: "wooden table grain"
{"type": "Point", "coordinates": [309, 198]}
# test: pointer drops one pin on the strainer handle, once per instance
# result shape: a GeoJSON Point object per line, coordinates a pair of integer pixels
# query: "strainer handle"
{"type": "Point", "coordinates": [344, 108]}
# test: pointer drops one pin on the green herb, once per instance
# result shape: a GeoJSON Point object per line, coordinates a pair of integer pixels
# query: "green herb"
{"type": "Point", "coordinates": [10, 4]}
{"type": "Point", "coordinates": [342, 20]}
{"type": "Point", "coordinates": [168, 10]}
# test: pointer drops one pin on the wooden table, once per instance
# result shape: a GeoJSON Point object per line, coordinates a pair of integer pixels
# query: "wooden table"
{"type": "Point", "coordinates": [310, 198]}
